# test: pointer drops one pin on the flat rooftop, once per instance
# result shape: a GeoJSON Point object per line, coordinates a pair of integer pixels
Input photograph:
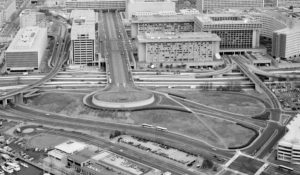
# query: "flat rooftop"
{"type": "Point", "coordinates": [295, 29]}
{"type": "Point", "coordinates": [87, 15]}
{"type": "Point", "coordinates": [163, 18]}
{"type": "Point", "coordinates": [226, 18]}
{"type": "Point", "coordinates": [71, 146]}
{"type": "Point", "coordinates": [148, 1]}
{"type": "Point", "coordinates": [27, 39]}
{"type": "Point", "coordinates": [177, 37]}
{"type": "Point", "coordinates": [292, 137]}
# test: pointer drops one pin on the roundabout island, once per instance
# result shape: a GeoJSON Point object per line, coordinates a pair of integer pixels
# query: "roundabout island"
{"type": "Point", "coordinates": [119, 99]}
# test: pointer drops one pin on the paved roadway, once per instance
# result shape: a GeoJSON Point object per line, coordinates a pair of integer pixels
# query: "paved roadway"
{"type": "Point", "coordinates": [61, 54]}
{"type": "Point", "coordinates": [274, 131]}
{"type": "Point", "coordinates": [20, 113]}
{"type": "Point", "coordinates": [117, 61]}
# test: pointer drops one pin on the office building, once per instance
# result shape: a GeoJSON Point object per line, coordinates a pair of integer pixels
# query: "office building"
{"type": "Point", "coordinates": [207, 5]}
{"type": "Point", "coordinates": [30, 17]}
{"type": "Point", "coordinates": [237, 32]}
{"type": "Point", "coordinates": [271, 21]}
{"type": "Point", "coordinates": [286, 43]}
{"type": "Point", "coordinates": [149, 7]}
{"type": "Point", "coordinates": [191, 50]}
{"type": "Point", "coordinates": [83, 37]}
{"type": "Point", "coordinates": [7, 9]}
{"type": "Point", "coordinates": [288, 148]}
{"type": "Point", "coordinates": [160, 23]}
{"type": "Point", "coordinates": [27, 49]}
{"type": "Point", "coordinates": [96, 4]}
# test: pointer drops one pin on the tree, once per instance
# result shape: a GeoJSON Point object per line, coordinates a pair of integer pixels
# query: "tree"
{"type": "Point", "coordinates": [207, 164]}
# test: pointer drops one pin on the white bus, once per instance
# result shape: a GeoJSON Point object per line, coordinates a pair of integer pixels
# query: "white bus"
{"type": "Point", "coordinates": [145, 125]}
{"type": "Point", "coordinates": [161, 128]}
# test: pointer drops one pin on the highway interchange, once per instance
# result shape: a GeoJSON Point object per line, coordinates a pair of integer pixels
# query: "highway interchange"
{"type": "Point", "coordinates": [115, 50]}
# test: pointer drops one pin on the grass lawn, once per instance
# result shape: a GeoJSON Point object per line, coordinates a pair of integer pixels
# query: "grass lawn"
{"type": "Point", "coordinates": [233, 135]}
{"type": "Point", "coordinates": [234, 103]}
{"type": "Point", "coordinates": [246, 165]}
{"type": "Point", "coordinates": [72, 105]}
{"type": "Point", "coordinates": [180, 122]}
{"type": "Point", "coordinates": [45, 140]}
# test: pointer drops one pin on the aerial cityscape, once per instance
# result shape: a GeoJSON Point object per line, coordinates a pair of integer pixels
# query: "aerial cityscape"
{"type": "Point", "coordinates": [150, 87]}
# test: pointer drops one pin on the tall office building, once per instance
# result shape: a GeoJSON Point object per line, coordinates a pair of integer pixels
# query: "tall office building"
{"type": "Point", "coordinates": [7, 8]}
{"type": "Point", "coordinates": [83, 36]}
{"type": "Point", "coordinates": [288, 148]}
{"type": "Point", "coordinates": [96, 4]}
{"type": "Point", "coordinates": [286, 43]}
{"type": "Point", "coordinates": [204, 5]}
{"type": "Point", "coordinates": [149, 7]}
{"type": "Point", "coordinates": [237, 32]}
{"type": "Point", "coordinates": [193, 49]}
{"type": "Point", "coordinates": [30, 17]}
{"type": "Point", "coordinates": [27, 49]}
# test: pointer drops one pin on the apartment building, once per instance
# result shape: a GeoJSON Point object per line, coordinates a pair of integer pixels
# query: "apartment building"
{"type": "Point", "coordinates": [192, 49]}
{"type": "Point", "coordinates": [83, 37]}
{"type": "Point", "coordinates": [27, 49]}
{"type": "Point", "coordinates": [206, 5]}
{"type": "Point", "coordinates": [237, 32]}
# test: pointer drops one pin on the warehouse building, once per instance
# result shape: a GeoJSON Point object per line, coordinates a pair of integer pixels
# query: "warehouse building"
{"type": "Point", "coordinates": [189, 50]}
{"type": "Point", "coordinates": [288, 148]}
{"type": "Point", "coordinates": [83, 37]}
{"type": "Point", "coordinates": [205, 5]}
{"type": "Point", "coordinates": [238, 33]}
{"type": "Point", "coordinates": [27, 49]}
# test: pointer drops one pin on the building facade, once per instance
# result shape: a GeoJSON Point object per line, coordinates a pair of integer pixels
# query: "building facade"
{"type": "Point", "coordinates": [193, 49]}
{"type": "Point", "coordinates": [27, 49]}
{"type": "Point", "coordinates": [7, 9]}
{"type": "Point", "coordinates": [237, 32]}
{"type": "Point", "coordinates": [29, 17]}
{"type": "Point", "coordinates": [138, 7]}
{"type": "Point", "coordinates": [83, 37]}
{"type": "Point", "coordinates": [287, 3]}
{"type": "Point", "coordinates": [286, 43]}
{"type": "Point", "coordinates": [159, 23]}
{"type": "Point", "coordinates": [96, 4]}
{"type": "Point", "coordinates": [204, 5]}
{"type": "Point", "coordinates": [288, 148]}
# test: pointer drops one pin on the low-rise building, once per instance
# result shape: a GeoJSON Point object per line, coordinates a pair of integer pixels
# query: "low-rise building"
{"type": "Point", "coordinates": [159, 23]}
{"type": "Point", "coordinates": [27, 49]}
{"type": "Point", "coordinates": [7, 9]}
{"type": "Point", "coordinates": [288, 148]}
{"type": "Point", "coordinates": [191, 50]}
{"type": "Point", "coordinates": [96, 4]}
{"type": "Point", "coordinates": [205, 5]}
{"type": "Point", "coordinates": [30, 17]}
{"type": "Point", "coordinates": [137, 7]}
